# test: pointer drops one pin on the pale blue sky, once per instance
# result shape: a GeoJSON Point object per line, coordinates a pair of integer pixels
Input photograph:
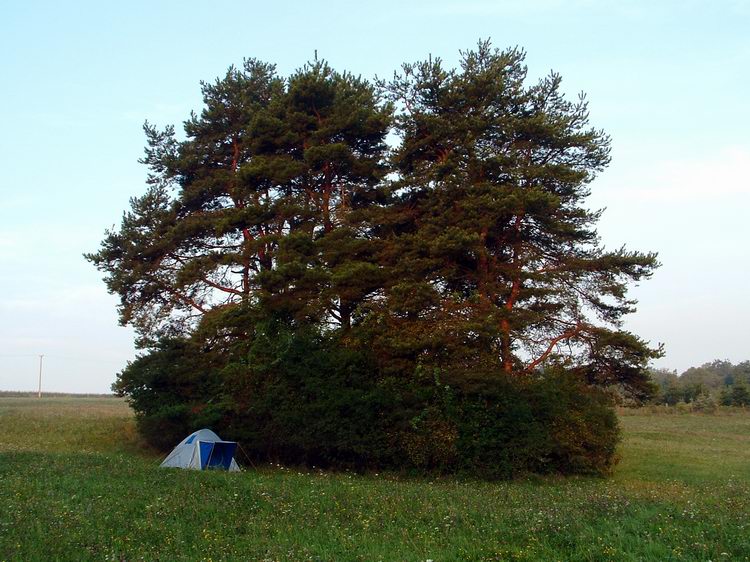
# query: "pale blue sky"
{"type": "Point", "coordinates": [668, 80]}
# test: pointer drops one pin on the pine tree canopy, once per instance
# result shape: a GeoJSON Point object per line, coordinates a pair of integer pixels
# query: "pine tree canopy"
{"type": "Point", "coordinates": [253, 206]}
{"type": "Point", "coordinates": [495, 255]}
{"type": "Point", "coordinates": [466, 246]}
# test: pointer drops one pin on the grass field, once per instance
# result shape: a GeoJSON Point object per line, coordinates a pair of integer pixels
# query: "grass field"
{"type": "Point", "coordinates": [76, 485]}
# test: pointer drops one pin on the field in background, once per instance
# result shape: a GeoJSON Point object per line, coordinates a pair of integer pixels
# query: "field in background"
{"type": "Point", "coordinates": [33, 394]}
{"type": "Point", "coordinates": [76, 484]}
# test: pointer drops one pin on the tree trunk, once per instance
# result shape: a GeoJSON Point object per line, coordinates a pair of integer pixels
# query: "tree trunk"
{"type": "Point", "coordinates": [515, 289]}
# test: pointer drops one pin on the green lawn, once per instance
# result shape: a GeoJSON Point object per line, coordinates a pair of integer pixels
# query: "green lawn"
{"type": "Point", "coordinates": [76, 485]}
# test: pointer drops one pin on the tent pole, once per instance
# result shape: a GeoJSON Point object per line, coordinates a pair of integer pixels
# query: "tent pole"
{"type": "Point", "coordinates": [246, 455]}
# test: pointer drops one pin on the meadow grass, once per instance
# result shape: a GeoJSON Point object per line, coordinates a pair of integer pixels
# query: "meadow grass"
{"type": "Point", "coordinates": [76, 484]}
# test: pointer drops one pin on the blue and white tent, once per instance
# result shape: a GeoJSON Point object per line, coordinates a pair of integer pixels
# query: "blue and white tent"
{"type": "Point", "coordinates": [203, 450]}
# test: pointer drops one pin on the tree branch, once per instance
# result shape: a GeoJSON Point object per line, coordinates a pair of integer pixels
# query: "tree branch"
{"type": "Point", "coordinates": [566, 335]}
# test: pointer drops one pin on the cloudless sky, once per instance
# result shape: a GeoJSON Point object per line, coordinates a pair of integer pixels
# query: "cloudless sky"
{"type": "Point", "coordinates": [669, 81]}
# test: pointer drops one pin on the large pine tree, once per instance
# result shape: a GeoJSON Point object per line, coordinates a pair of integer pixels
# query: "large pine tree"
{"type": "Point", "coordinates": [253, 207]}
{"type": "Point", "coordinates": [497, 263]}
{"type": "Point", "coordinates": [196, 241]}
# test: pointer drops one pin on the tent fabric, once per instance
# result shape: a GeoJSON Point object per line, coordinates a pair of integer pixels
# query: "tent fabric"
{"type": "Point", "coordinates": [218, 454]}
{"type": "Point", "coordinates": [203, 450]}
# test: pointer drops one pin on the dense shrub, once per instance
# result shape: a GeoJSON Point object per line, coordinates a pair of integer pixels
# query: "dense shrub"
{"type": "Point", "coordinates": [173, 390]}
{"type": "Point", "coordinates": [299, 397]}
{"type": "Point", "coordinates": [552, 423]}
{"type": "Point", "coordinates": [740, 395]}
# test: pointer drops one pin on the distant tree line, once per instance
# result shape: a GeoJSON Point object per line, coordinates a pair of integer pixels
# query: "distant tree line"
{"type": "Point", "coordinates": [717, 382]}
{"type": "Point", "coordinates": [438, 301]}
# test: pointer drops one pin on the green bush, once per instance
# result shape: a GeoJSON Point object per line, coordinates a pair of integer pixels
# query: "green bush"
{"type": "Point", "coordinates": [682, 408]}
{"type": "Point", "coordinates": [740, 394]}
{"type": "Point", "coordinates": [299, 397]}
{"type": "Point", "coordinates": [303, 398]}
{"type": "Point", "coordinates": [553, 423]}
{"type": "Point", "coordinates": [173, 390]}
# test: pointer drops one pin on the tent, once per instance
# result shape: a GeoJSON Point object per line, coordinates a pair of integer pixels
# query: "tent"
{"type": "Point", "coordinates": [203, 450]}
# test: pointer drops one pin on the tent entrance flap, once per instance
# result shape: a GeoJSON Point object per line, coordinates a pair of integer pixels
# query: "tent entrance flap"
{"type": "Point", "coordinates": [217, 454]}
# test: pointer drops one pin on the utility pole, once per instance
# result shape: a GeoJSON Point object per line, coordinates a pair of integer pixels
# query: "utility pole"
{"type": "Point", "coordinates": [40, 375]}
